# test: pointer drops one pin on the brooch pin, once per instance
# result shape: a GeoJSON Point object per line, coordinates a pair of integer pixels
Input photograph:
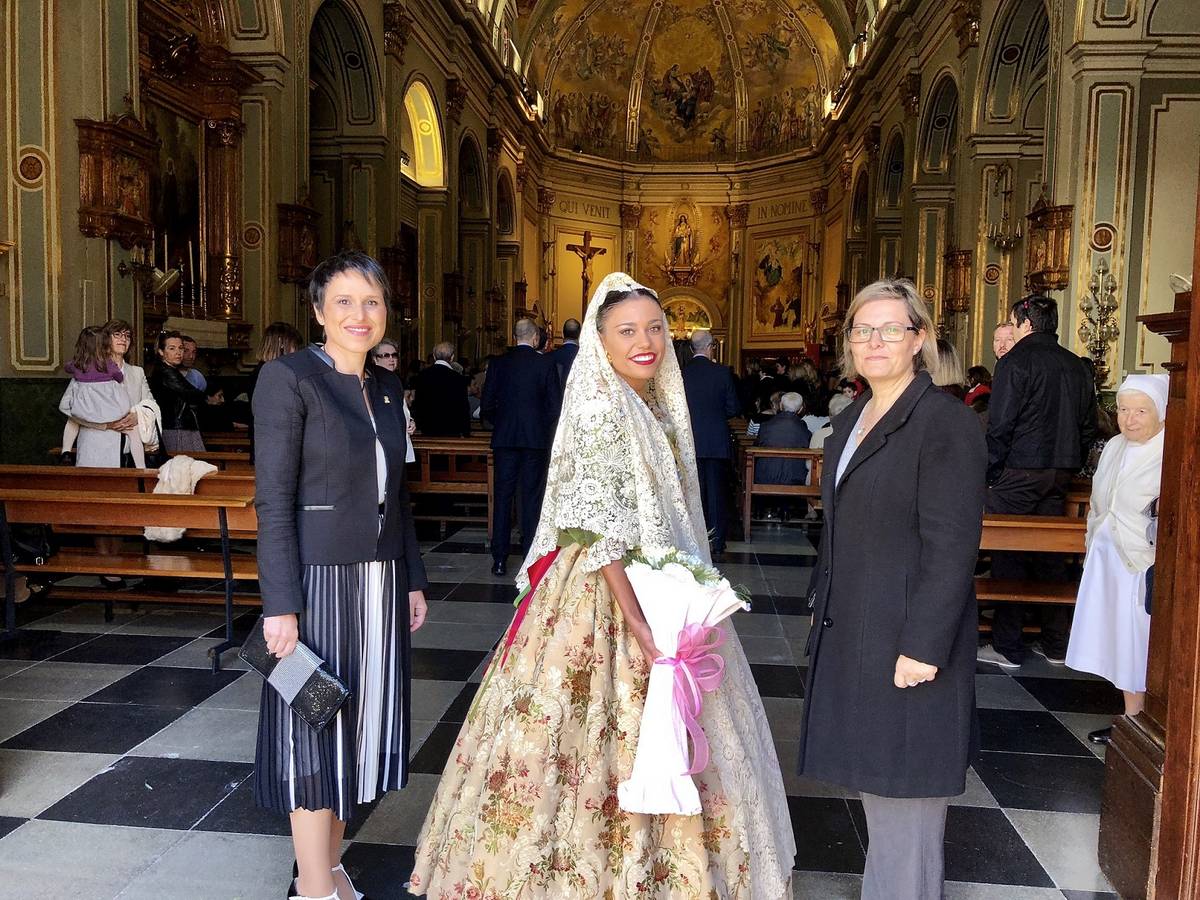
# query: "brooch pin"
{"type": "Point", "coordinates": [387, 399]}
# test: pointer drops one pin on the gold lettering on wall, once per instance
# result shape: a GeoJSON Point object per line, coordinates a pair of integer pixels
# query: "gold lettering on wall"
{"type": "Point", "coordinates": [775, 210]}
{"type": "Point", "coordinates": [587, 209]}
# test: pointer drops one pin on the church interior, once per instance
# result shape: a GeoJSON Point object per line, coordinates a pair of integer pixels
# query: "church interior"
{"type": "Point", "coordinates": [183, 164]}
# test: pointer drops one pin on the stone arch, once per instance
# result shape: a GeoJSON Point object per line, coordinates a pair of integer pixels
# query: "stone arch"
{"type": "Point", "coordinates": [860, 206]}
{"type": "Point", "coordinates": [1013, 67]}
{"type": "Point", "coordinates": [343, 69]}
{"type": "Point", "coordinates": [506, 204]}
{"type": "Point", "coordinates": [939, 129]}
{"type": "Point", "coordinates": [892, 172]}
{"type": "Point", "coordinates": [472, 192]}
{"type": "Point", "coordinates": [423, 134]}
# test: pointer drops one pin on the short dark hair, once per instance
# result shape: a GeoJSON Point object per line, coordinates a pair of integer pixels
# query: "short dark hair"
{"type": "Point", "coordinates": [571, 330]}
{"type": "Point", "coordinates": [1039, 311]}
{"type": "Point", "coordinates": [164, 336]}
{"type": "Point", "coordinates": [979, 375]}
{"type": "Point", "coordinates": [118, 326]}
{"type": "Point", "coordinates": [346, 261]}
{"type": "Point", "coordinates": [187, 339]}
{"type": "Point", "coordinates": [612, 298]}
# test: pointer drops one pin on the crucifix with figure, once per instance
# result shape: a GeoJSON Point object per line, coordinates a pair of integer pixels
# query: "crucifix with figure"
{"type": "Point", "coordinates": [585, 252]}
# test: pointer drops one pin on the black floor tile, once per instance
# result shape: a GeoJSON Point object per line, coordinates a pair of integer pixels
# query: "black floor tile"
{"type": "Point", "coordinates": [461, 547]}
{"type": "Point", "coordinates": [380, 871]}
{"type": "Point", "coordinates": [792, 606]}
{"type": "Point", "coordinates": [36, 645]}
{"type": "Point", "coordinates": [445, 665]}
{"type": "Point", "coordinates": [457, 712]}
{"type": "Point", "coordinates": [731, 557]}
{"type": "Point", "coordinates": [762, 604]}
{"type": "Point", "coordinates": [826, 837]}
{"type": "Point", "coordinates": [795, 560]}
{"type": "Point", "coordinates": [778, 681]}
{"type": "Point", "coordinates": [241, 627]}
{"type": "Point", "coordinates": [238, 814]}
{"type": "Point", "coordinates": [1028, 781]}
{"type": "Point", "coordinates": [1089, 895]}
{"type": "Point", "coordinates": [431, 758]}
{"type": "Point", "coordinates": [485, 593]}
{"type": "Point", "coordinates": [983, 846]}
{"type": "Point", "coordinates": [151, 793]}
{"type": "Point", "coordinates": [124, 649]}
{"type": "Point", "coordinates": [10, 823]}
{"type": "Point", "coordinates": [95, 728]}
{"type": "Point", "coordinates": [166, 686]}
{"type": "Point", "coordinates": [439, 590]}
{"type": "Point", "coordinates": [1079, 695]}
{"type": "Point", "coordinates": [1027, 731]}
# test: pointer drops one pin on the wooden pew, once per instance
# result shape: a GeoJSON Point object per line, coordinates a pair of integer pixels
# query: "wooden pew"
{"type": "Point", "coordinates": [110, 509]}
{"type": "Point", "coordinates": [225, 460]}
{"type": "Point", "coordinates": [752, 488]}
{"type": "Point", "coordinates": [454, 467]}
{"type": "Point", "coordinates": [226, 440]}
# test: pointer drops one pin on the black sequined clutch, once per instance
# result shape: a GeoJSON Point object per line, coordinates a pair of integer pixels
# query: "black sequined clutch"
{"type": "Point", "coordinates": [301, 679]}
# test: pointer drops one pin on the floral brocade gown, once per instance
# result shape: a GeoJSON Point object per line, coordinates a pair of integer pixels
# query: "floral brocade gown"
{"type": "Point", "coordinates": [527, 804]}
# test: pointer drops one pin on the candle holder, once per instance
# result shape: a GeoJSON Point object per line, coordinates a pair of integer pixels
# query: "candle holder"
{"type": "Point", "coordinates": [1099, 327]}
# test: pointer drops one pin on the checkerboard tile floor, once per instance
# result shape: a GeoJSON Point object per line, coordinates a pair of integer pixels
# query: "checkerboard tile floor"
{"type": "Point", "coordinates": [124, 762]}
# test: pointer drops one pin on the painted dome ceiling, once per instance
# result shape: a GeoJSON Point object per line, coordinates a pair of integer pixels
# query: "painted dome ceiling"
{"type": "Point", "coordinates": [677, 80]}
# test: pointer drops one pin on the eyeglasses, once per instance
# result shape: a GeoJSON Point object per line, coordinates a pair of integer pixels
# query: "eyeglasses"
{"type": "Point", "coordinates": [891, 333]}
{"type": "Point", "coordinates": [386, 355]}
{"type": "Point", "coordinates": [119, 334]}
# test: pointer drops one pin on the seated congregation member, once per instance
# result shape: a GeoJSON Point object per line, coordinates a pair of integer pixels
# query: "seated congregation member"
{"type": "Point", "coordinates": [521, 398]}
{"type": "Point", "coordinates": [554, 728]}
{"type": "Point", "coordinates": [441, 408]}
{"type": "Point", "coordinates": [712, 401]}
{"type": "Point", "coordinates": [787, 430]}
{"type": "Point", "coordinates": [1041, 421]}
{"type": "Point", "coordinates": [339, 568]}
{"type": "Point", "coordinates": [889, 707]}
{"type": "Point", "coordinates": [837, 404]}
{"type": "Point", "coordinates": [1111, 633]}
{"type": "Point", "coordinates": [179, 401]}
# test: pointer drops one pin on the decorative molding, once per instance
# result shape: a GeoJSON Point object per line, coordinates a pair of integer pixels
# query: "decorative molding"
{"type": "Point", "coordinates": [871, 141]}
{"type": "Point", "coordinates": [115, 159]}
{"type": "Point", "coordinates": [739, 215]}
{"type": "Point", "coordinates": [957, 278]}
{"type": "Point", "coordinates": [546, 198]}
{"type": "Point", "coordinates": [911, 93]}
{"type": "Point", "coordinates": [819, 198]}
{"type": "Point", "coordinates": [966, 14]}
{"type": "Point", "coordinates": [1048, 246]}
{"type": "Point", "coordinates": [297, 241]}
{"type": "Point", "coordinates": [456, 98]}
{"type": "Point", "coordinates": [228, 269]}
{"type": "Point", "coordinates": [845, 168]}
{"type": "Point", "coordinates": [397, 28]}
{"type": "Point", "coordinates": [522, 175]}
{"type": "Point", "coordinates": [631, 215]}
{"type": "Point", "coordinates": [495, 143]}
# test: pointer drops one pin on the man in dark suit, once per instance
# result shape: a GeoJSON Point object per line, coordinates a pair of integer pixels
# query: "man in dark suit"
{"type": "Point", "coordinates": [784, 430]}
{"type": "Point", "coordinates": [712, 401]}
{"type": "Point", "coordinates": [521, 398]}
{"type": "Point", "coordinates": [564, 356]}
{"type": "Point", "coordinates": [440, 407]}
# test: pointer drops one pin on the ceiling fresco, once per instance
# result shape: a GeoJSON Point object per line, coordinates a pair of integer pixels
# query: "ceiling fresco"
{"type": "Point", "coordinates": [675, 80]}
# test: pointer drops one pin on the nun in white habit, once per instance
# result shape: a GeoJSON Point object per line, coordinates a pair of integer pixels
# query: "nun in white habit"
{"type": "Point", "coordinates": [1111, 632]}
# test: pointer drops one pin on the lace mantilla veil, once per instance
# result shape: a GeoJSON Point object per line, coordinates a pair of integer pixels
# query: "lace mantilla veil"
{"type": "Point", "coordinates": [613, 472]}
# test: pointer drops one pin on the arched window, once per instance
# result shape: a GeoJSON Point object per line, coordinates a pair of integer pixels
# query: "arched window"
{"type": "Point", "coordinates": [940, 129]}
{"type": "Point", "coordinates": [505, 204]}
{"type": "Point", "coordinates": [893, 173]}
{"type": "Point", "coordinates": [426, 165]}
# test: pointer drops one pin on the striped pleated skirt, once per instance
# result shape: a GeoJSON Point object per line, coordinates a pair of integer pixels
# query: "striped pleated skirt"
{"type": "Point", "coordinates": [356, 619]}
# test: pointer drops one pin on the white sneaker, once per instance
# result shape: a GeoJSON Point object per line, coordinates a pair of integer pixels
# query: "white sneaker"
{"type": "Point", "coordinates": [1037, 648]}
{"type": "Point", "coordinates": [989, 654]}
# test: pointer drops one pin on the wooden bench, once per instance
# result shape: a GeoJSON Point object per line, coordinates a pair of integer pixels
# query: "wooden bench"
{"type": "Point", "coordinates": [225, 460]}
{"type": "Point", "coordinates": [752, 488]}
{"type": "Point", "coordinates": [111, 510]}
{"type": "Point", "coordinates": [226, 440]}
{"type": "Point", "coordinates": [454, 467]}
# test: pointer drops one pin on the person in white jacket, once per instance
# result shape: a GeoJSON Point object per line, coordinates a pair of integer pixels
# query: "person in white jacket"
{"type": "Point", "coordinates": [1111, 633]}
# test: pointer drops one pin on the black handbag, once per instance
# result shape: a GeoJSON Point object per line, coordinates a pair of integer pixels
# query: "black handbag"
{"type": "Point", "coordinates": [301, 678]}
{"type": "Point", "coordinates": [32, 545]}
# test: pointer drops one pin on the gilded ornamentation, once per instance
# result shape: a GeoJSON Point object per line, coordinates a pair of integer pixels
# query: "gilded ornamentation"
{"type": "Point", "coordinates": [1048, 251]}
{"type": "Point", "coordinates": [1103, 235]}
{"type": "Point", "coordinates": [845, 170]}
{"type": "Point", "coordinates": [226, 132]}
{"type": "Point", "coordinates": [229, 286]}
{"type": "Point", "coordinates": [397, 27]}
{"type": "Point", "coordinates": [30, 167]}
{"type": "Point", "coordinates": [956, 280]}
{"type": "Point", "coordinates": [495, 143]}
{"type": "Point", "coordinates": [114, 179]}
{"type": "Point", "coordinates": [871, 142]}
{"type": "Point", "coordinates": [546, 199]}
{"type": "Point", "coordinates": [739, 214]}
{"type": "Point", "coordinates": [522, 174]}
{"type": "Point", "coordinates": [631, 215]}
{"type": "Point", "coordinates": [819, 198]}
{"type": "Point", "coordinates": [252, 236]}
{"type": "Point", "coordinates": [966, 24]}
{"type": "Point", "coordinates": [176, 57]}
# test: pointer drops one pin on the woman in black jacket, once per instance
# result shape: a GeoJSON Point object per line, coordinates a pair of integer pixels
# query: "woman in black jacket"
{"type": "Point", "coordinates": [890, 705]}
{"type": "Point", "coordinates": [339, 567]}
{"type": "Point", "coordinates": [178, 399]}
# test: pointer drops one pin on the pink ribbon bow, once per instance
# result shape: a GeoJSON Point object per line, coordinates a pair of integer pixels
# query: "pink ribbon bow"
{"type": "Point", "coordinates": [698, 670]}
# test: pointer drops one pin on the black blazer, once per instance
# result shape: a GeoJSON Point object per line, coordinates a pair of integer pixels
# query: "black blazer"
{"type": "Point", "coordinates": [178, 399]}
{"type": "Point", "coordinates": [895, 575]}
{"type": "Point", "coordinates": [1042, 411]}
{"type": "Point", "coordinates": [522, 397]}
{"type": "Point", "coordinates": [564, 358]}
{"type": "Point", "coordinates": [712, 401]}
{"type": "Point", "coordinates": [315, 488]}
{"type": "Point", "coordinates": [785, 430]}
{"type": "Point", "coordinates": [440, 407]}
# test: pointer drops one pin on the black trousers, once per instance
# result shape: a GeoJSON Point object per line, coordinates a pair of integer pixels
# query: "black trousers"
{"type": "Point", "coordinates": [1030, 492]}
{"type": "Point", "coordinates": [714, 489]}
{"type": "Point", "coordinates": [519, 473]}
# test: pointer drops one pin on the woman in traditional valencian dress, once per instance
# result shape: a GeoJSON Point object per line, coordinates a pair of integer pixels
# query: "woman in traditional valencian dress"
{"type": "Point", "coordinates": [528, 804]}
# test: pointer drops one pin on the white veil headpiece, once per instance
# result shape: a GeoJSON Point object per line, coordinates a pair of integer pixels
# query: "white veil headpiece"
{"type": "Point", "coordinates": [613, 471]}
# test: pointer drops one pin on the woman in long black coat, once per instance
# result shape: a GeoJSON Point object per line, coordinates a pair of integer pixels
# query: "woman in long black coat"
{"type": "Point", "coordinates": [890, 701]}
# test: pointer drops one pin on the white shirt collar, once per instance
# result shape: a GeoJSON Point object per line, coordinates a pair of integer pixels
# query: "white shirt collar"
{"type": "Point", "coordinates": [442, 362]}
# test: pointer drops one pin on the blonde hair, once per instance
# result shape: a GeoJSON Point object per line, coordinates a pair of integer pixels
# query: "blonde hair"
{"type": "Point", "coordinates": [918, 316]}
{"type": "Point", "coordinates": [949, 368]}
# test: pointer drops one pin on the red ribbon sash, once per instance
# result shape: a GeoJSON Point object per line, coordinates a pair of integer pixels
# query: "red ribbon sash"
{"type": "Point", "coordinates": [537, 572]}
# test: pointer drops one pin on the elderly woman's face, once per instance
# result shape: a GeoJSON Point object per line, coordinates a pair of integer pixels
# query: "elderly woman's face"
{"type": "Point", "coordinates": [1137, 416]}
{"type": "Point", "coordinates": [880, 360]}
{"type": "Point", "coordinates": [387, 356]}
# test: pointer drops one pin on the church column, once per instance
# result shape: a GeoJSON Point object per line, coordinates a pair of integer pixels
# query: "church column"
{"type": "Point", "coordinates": [431, 231]}
{"type": "Point", "coordinates": [818, 199]}
{"type": "Point", "coordinates": [739, 218]}
{"type": "Point", "coordinates": [932, 204]}
{"type": "Point", "coordinates": [546, 198]}
{"type": "Point", "coordinates": [631, 220]}
{"type": "Point", "coordinates": [223, 189]}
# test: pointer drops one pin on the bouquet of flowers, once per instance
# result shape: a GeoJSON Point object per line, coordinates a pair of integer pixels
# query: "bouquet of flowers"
{"type": "Point", "coordinates": [683, 599]}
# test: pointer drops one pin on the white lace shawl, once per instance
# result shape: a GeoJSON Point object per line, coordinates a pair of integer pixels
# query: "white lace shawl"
{"type": "Point", "coordinates": [613, 473]}
{"type": "Point", "coordinates": [612, 469]}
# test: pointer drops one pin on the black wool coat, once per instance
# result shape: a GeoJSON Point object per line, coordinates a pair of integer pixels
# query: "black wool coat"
{"type": "Point", "coordinates": [895, 575]}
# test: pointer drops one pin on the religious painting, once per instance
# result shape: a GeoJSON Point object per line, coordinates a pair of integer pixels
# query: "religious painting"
{"type": "Point", "coordinates": [175, 199]}
{"type": "Point", "coordinates": [779, 285]}
{"type": "Point", "coordinates": [685, 315]}
{"type": "Point", "coordinates": [685, 244]}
